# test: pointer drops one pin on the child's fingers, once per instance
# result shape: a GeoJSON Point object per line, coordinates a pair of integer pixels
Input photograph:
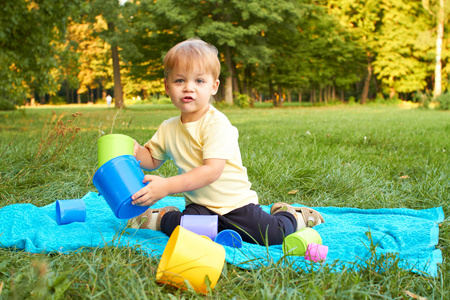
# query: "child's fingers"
{"type": "Point", "coordinates": [148, 178]}
{"type": "Point", "coordinates": [136, 197]}
{"type": "Point", "coordinates": [148, 202]}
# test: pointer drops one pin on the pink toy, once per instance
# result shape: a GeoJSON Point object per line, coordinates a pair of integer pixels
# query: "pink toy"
{"type": "Point", "coordinates": [316, 252]}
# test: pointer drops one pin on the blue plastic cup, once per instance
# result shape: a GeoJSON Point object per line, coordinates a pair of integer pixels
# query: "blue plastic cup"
{"type": "Point", "coordinates": [68, 211]}
{"type": "Point", "coordinates": [117, 180]}
{"type": "Point", "coordinates": [229, 238]}
{"type": "Point", "coordinates": [201, 225]}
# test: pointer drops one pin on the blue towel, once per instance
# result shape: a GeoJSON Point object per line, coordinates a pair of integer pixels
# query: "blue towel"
{"type": "Point", "coordinates": [410, 234]}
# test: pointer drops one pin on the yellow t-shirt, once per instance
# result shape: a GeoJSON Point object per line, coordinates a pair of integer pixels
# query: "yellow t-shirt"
{"type": "Point", "coordinates": [189, 144]}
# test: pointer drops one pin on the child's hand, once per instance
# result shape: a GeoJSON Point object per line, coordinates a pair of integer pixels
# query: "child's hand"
{"type": "Point", "coordinates": [152, 192]}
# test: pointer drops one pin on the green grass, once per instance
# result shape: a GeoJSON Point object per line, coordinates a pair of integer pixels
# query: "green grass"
{"type": "Point", "coordinates": [364, 157]}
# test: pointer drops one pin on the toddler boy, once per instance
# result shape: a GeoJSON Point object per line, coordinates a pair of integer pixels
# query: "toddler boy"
{"type": "Point", "coordinates": [204, 146]}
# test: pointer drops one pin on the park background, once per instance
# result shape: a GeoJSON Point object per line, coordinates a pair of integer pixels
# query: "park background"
{"type": "Point", "coordinates": [327, 150]}
{"type": "Point", "coordinates": [319, 52]}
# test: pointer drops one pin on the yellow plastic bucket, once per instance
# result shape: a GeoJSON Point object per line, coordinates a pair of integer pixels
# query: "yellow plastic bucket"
{"type": "Point", "coordinates": [190, 257]}
{"type": "Point", "coordinates": [112, 145]}
{"type": "Point", "coordinates": [297, 242]}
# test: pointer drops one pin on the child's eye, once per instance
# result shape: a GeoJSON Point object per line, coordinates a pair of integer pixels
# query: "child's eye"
{"type": "Point", "coordinates": [200, 81]}
{"type": "Point", "coordinates": [179, 80]}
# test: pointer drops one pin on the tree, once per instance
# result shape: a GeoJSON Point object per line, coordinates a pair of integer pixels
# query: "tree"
{"type": "Point", "coordinates": [439, 11]}
{"type": "Point", "coordinates": [402, 63]}
{"type": "Point", "coordinates": [28, 30]}
{"type": "Point", "coordinates": [235, 27]}
{"type": "Point", "coordinates": [259, 42]}
{"type": "Point", "coordinates": [144, 50]}
{"type": "Point", "coordinates": [362, 18]}
{"type": "Point", "coordinates": [113, 34]}
{"type": "Point", "coordinates": [312, 51]}
{"type": "Point", "coordinates": [94, 59]}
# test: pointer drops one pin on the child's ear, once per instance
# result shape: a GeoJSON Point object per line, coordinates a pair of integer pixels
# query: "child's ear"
{"type": "Point", "coordinates": [215, 87]}
{"type": "Point", "coordinates": [166, 87]}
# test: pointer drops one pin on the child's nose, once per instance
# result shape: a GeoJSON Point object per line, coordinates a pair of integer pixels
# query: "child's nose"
{"type": "Point", "coordinates": [189, 86]}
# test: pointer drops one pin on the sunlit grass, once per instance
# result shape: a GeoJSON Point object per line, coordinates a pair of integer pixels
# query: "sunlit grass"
{"type": "Point", "coordinates": [340, 156]}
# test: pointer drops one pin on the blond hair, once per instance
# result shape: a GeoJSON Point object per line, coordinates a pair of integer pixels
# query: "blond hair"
{"type": "Point", "coordinates": [190, 53]}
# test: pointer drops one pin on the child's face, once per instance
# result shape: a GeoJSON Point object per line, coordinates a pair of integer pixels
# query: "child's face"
{"type": "Point", "coordinates": [190, 92]}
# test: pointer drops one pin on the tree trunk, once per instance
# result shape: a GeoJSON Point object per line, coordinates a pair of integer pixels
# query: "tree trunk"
{"type": "Point", "coordinates": [118, 92]}
{"type": "Point", "coordinates": [237, 86]}
{"type": "Point", "coordinates": [392, 93]}
{"type": "Point", "coordinates": [278, 99]}
{"type": "Point", "coordinates": [229, 79]}
{"type": "Point", "coordinates": [313, 96]}
{"type": "Point", "coordinates": [300, 97]}
{"type": "Point", "coordinates": [365, 93]}
{"type": "Point", "coordinates": [438, 67]}
{"type": "Point", "coordinates": [248, 85]}
{"type": "Point", "coordinates": [98, 92]}
{"type": "Point", "coordinates": [271, 91]}
{"type": "Point", "coordinates": [91, 95]}
{"type": "Point", "coordinates": [246, 82]}
{"type": "Point", "coordinates": [67, 92]}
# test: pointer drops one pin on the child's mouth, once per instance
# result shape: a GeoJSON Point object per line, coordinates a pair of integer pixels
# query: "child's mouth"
{"type": "Point", "coordinates": [187, 99]}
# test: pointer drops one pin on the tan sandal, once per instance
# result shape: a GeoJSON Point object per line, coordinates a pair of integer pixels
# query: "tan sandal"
{"type": "Point", "coordinates": [143, 221]}
{"type": "Point", "coordinates": [310, 216]}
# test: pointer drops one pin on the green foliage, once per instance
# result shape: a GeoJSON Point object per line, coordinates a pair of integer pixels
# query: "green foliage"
{"type": "Point", "coordinates": [423, 98]}
{"type": "Point", "coordinates": [163, 100]}
{"type": "Point", "coordinates": [400, 61]}
{"type": "Point", "coordinates": [242, 100]}
{"type": "Point", "coordinates": [351, 100]}
{"type": "Point", "coordinates": [28, 30]}
{"type": "Point", "coordinates": [6, 104]}
{"type": "Point", "coordinates": [221, 105]}
{"type": "Point", "coordinates": [269, 46]}
{"type": "Point", "coordinates": [444, 101]}
{"type": "Point", "coordinates": [380, 97]}
{"type": "Point", "coordinates": [57, 100]}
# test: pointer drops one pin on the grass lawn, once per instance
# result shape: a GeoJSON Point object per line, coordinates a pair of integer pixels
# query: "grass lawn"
{"type": "Point", "coordinates": [364, 157]}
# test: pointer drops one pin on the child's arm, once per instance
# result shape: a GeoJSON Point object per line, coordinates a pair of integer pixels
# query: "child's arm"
{"type": "Point", "coordinates": [144, 155]}
{"type": "Point", "coordinates": [195, 179]}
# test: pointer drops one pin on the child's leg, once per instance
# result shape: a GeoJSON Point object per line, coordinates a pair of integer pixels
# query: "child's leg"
{"type": "Point", "coordinates": [306, 217]}
{"type": "Point", "coordinates": [151, 218]}
{"type": "Point", "coordinates": [256, 226]}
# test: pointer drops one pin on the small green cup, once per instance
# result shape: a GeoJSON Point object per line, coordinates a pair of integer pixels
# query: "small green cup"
{"type": "Point", "coordinates": [112, 145]}
{"type": "Point", "coordinates": [297, 242]}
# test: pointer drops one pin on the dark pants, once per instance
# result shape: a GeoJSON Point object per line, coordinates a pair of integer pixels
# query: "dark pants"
{"type": "Point", "coordinates": [250, 221]}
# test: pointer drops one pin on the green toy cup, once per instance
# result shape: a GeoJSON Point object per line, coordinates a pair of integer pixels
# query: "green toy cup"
{"type": "Point", "coordinates": [112, 145]}
{"type": "Point", "coordinates": [297, 242]}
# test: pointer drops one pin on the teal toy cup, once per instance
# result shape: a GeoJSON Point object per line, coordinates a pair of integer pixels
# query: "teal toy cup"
{"type": "Point", "coordinates": [69, 211]}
